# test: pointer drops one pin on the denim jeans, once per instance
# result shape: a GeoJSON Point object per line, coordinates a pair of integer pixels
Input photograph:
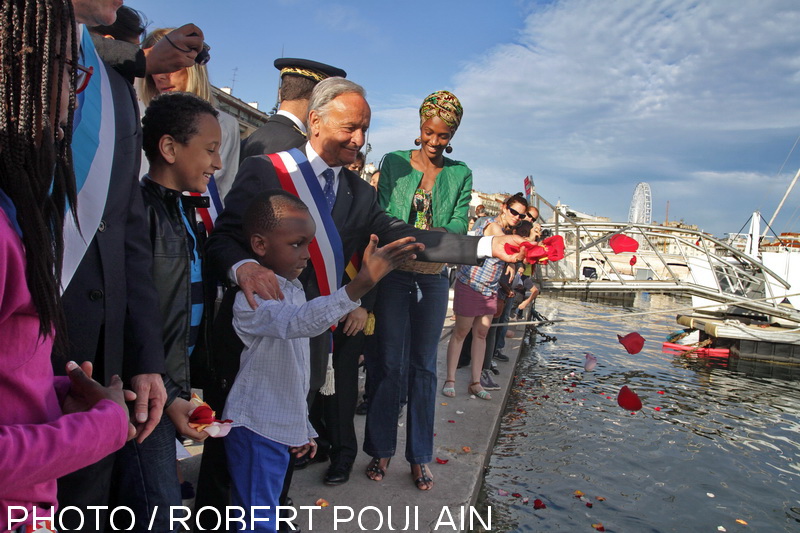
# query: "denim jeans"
{"type": "Point", "coordinates": [148, 476]}
{"type": "Point", "coordinates": [415, 304]}
{"type": "Point", "coordinates": [500, 339]}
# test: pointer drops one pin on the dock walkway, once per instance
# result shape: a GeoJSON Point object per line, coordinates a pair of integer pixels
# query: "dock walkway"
{"type": "Point", "coordinates": [466, 429]}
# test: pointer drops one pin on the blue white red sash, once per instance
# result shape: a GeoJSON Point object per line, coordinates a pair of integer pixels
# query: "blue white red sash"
{"type": "Point", "coordinates": [297, 177]}
{"type": "Point", "coordinates": [209, 214]}
{"type": "Point", "coordinates": [93, 140]}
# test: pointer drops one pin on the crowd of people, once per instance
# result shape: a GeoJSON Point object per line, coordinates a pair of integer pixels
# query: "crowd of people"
{"type": "Point", "coordinates": [249, 271]}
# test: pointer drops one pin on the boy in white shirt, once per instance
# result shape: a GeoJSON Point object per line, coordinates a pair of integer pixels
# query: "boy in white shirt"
{"type": "Point", "coordinates": [268, 400]}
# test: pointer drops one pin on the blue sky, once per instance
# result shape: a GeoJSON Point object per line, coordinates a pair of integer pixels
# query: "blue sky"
{"type": "Point", "coordinates": [697, 98]}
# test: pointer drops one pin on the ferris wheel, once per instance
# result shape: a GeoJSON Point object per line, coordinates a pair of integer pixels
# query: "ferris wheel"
{"type": "Point", "coordinates": [641, 211]}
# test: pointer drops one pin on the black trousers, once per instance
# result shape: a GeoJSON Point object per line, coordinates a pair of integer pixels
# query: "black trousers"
{"type": "Point", "coordinates": [333, 416]}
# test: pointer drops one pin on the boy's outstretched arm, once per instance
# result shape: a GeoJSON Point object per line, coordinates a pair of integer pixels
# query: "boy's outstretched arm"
{"type": "Point", "coordinates": [378, 262]}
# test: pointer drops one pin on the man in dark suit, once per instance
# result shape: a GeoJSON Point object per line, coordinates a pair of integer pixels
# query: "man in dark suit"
{"type": "Point", "coordinates": [337, 121]}
{"type": "Point", "coordinates": [287, 128]}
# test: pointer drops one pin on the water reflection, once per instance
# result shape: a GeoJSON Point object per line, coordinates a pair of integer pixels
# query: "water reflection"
{"type": "Point", "coordinates": [716, 441]}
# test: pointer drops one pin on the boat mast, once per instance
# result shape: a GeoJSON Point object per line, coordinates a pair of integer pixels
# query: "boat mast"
{"type": "Point", "coordinates": [780, 205]}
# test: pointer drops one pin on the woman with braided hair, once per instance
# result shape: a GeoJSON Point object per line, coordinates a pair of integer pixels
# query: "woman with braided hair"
{"type": "Point", "coordinates": [432, 192]}
{"type": "Point", "coordinates": [48, 426]}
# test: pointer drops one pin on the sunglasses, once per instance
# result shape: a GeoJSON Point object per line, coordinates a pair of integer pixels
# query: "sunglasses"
{"type": "Point", "coordinates": [82, 75]}
{"type": "Point", "coordinates": [517, 214]}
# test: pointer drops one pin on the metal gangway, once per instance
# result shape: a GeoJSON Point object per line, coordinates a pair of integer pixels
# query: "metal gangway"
{"type": "Point", "coordinates": [668, 260]}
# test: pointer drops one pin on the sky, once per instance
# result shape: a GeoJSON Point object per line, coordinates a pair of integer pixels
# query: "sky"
{"type": "Point", "coordinates": [698, 98]}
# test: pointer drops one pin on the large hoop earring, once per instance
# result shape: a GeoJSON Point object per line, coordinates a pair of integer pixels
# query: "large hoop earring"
{"type": "Point", "coordinates": [417, 141]}
{"type": "Point", "coordinates": [448, 149]}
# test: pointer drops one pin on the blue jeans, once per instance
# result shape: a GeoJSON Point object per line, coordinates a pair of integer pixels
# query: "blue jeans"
{"type": "Point", "coordinates": [148, 476]}
{"type": "Point", "coordinates": [500, 339]}
{"type": "Point", "coordinates": [415, 303]}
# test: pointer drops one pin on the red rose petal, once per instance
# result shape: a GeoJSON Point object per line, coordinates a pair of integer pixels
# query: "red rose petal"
{"type": "Point", "coordinates": [442, 461]}
{"type": "Point", "coordinates": [633, 342]}
{"type": "Point", "coordinates": [628, 400]}
{"type": "Point", "coordinates": [622, 243]}
{"type": "Point", "coordinates": [539, 504]}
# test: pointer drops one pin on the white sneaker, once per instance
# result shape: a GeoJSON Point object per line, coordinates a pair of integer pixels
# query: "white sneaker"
{"type": "Point", "coordinates": [487, 382]}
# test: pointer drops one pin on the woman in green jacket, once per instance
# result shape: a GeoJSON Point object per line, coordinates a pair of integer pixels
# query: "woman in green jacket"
{"type": "Point", "coordinates": [432, 192]}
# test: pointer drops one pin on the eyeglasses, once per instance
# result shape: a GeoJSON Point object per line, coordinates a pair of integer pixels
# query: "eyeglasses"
{"type": "Point", "coordinates": [517, 214]}
{"type": "Point", "coordinates": [82, 75]}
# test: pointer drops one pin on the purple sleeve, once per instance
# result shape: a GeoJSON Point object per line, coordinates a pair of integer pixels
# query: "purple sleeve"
{"type": "Point", "coordinates": [42, 452]}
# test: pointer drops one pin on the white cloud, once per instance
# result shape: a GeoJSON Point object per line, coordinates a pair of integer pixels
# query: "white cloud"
{"type": "Point", "coordinates": [593, 97]}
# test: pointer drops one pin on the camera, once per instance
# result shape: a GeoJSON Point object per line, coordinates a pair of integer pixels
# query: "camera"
{"type": "Point", "coordinates": [203, 56]}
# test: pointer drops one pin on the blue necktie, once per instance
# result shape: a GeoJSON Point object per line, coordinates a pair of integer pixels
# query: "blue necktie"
{"type": "Point", "coordinates": [330, 194]}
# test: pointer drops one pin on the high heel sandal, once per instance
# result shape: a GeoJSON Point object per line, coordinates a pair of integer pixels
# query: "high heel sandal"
{"type": "Point", "coordinates": [374, 467]}
{"type": "Point", "coordinates": [450, 392]}
{"type": "Point", "coordinates": [482, 394]}
{"type": "Point", "coordinates": [424, 480]}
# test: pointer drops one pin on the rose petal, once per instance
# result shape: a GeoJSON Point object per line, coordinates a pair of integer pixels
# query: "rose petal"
{"type": "Point", "coordinates": [590, 363]}
{"type": "Point", "coordinates": [598, 527]}
{"type": "Point", "coordinates": [466, 449]}
{"type": "Point", "coordinates": [622, 243]}
{"type": "Point", "coordinates": [740, 521]}
{"type": "Point", "coordinates": [578, 493]}
{"type": "Point", "coordinates": [628, 400]}
{"type": "Point", "coordinates": [600, 499]}
{"type": "Point", "coordinates": [322, 503]}
{"type": "Point", "coordinates": [589, 505]}
{"type": "Point", "coordinates": [442, 461]}
{"type": "Point", "coordinates": [502, 492]}
{"type": "Point", "coordinates": [517, 495]}
{"type": "Point", "coordinates": [539, 504]}
{"type": "Point", "coordinates": [451, 421]}
{"type": "Point", "coordinates": [526, 500]}
{"type": "Point", "coordinates": [633, 342]}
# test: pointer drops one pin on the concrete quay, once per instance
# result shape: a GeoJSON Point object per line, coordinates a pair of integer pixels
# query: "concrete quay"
{"type": "Point", "coordinates": [466, 428]}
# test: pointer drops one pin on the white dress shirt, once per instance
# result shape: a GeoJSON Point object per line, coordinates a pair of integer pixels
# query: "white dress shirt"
{"type": "Point", "coordinates": [268, 396]}
{"type": "Point", "coordinates": [290, 116]}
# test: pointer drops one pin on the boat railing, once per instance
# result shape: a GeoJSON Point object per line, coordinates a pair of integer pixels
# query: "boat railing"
{"type": "Point", "coordinates": [669, 259]}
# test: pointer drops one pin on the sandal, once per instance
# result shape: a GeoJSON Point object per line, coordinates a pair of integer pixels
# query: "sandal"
{"type": "Point", "coordinates": [482, 394]}
{"type": "Point", "coordinates": [450, 392]}
{"type": "Point", "coordinates": [374, 467]}
{"type": "Point", "coordinates": [424, 481]}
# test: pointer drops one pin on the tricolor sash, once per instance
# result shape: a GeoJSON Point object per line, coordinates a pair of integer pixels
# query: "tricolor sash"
{"type": "Point", "coordinates": [209, 214]}
{"type": "Point", "coordinates": [297, 177]}
{"type": "Point", "coordinates": [93, 141]}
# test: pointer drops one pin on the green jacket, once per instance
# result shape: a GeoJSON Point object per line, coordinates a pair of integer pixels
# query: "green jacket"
{"type": "Point", "coordinates": [451, 193]}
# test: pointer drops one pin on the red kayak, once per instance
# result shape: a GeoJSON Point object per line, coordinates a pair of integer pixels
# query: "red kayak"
{"type": "Point", "coordinates": [680, 349]}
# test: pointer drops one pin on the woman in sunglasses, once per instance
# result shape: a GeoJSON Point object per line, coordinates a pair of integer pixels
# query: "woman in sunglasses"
{"type": "Point", "coordinates": [49, 426]}
{"type": "Point", "coordinates": [475, 300]}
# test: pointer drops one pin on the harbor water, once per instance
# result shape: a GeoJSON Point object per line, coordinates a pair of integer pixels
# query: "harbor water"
{"type": "Point", "coordinates": [715, 447]}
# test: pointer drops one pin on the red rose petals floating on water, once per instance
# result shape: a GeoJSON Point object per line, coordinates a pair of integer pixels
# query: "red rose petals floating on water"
{"type": "Point", "coordinates": [633, 342]}
{"type": "Point", "coordinates": [628, 400]}
{"type": "Point", "coordinates": [539, 504]}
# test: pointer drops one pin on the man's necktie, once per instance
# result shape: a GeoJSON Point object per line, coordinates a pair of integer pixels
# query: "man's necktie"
{"type": "Point", "coordinates": [330, 194]}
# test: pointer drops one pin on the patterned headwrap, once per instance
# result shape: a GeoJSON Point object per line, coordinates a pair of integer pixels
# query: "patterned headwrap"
{"type": "Point", "coordinates": [442, 104]}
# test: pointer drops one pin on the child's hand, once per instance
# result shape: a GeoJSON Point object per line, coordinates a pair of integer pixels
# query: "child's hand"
{"type": "Point", "coordinates": [178, 413]}
{"type": "Point", "coordinates": [84, 393]}
{"type": "Point", "coordinates": [378, 262]}
{"type": "Point", "coordinates": [300, 451]}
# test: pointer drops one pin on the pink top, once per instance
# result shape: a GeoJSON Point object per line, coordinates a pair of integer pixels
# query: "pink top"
{"type": "Point", "coordinates": [38, 443]}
